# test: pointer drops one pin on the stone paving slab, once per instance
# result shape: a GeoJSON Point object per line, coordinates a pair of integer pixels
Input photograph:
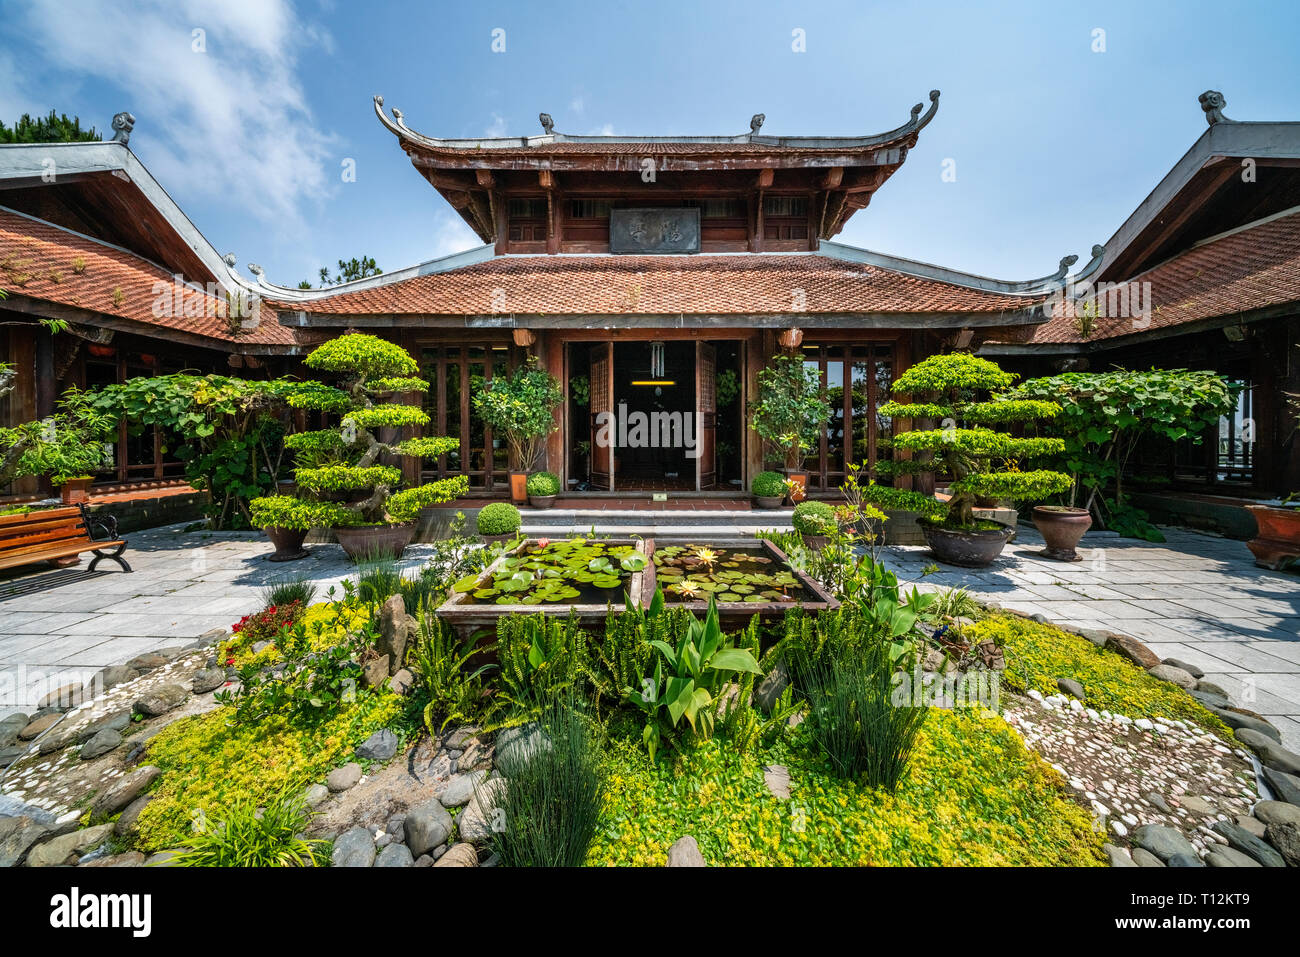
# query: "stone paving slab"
{"type": "Point", "coordinates": [1197, 597]}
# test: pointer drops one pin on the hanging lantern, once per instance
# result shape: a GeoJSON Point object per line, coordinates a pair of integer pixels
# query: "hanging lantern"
{"type": "Point", "coordinates": [790, 338]}
{"type": "Point", "coordinates": [657, 360]}
{"type": "Point", "coordinates": [524, 337]}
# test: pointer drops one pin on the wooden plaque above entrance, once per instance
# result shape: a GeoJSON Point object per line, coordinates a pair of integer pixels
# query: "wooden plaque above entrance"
{"type": "Point", "coordinates": [654, 231]}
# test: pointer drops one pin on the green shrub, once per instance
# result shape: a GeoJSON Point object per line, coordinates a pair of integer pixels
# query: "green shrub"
{"type": "Point", "coordinates": [286, 511]}
{"type": "Point", "coordinates": [286, 592]}
{"type": "Point", "coordinates": [768, 485]}
{"type": "Point", "coordinates": [450, 688]}
{"type": "Point", "coordinates": [541, 658]}
{"type": "Point", "coordinates": [543, 483]}
{"type": "Point", "coordinates": [552, 799]}
{"type": "Point", "coordinates": [499, 518]}
{"type": "Point", "coordinates": [242, 835]}
{"type": "Point", "coordinates": [813, 518]}
{"type": "Point", "coordinates": [406, 505]}
{"type": "Point", "coordinates": [887, 498]}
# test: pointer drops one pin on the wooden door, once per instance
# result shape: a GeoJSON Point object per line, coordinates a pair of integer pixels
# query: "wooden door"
{"type": "Point", "coordinates": [706, 415]}
{"type": "Point", "coordinates": [602, 401]}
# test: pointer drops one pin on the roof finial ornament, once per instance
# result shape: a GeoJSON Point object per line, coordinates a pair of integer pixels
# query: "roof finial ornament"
{"type": "Point", "coordinates": [123, 123]}
{"type": "Point", "coordinates": [548, 124]}
{"type": "Point", "coordinates": [756, 123]}
{"type": "Point", "coordinates": [1213, 102]}
{"type": "Point", "coordinates": [230, 259]}
{"type": "Point", "coordinates": [255, 269]}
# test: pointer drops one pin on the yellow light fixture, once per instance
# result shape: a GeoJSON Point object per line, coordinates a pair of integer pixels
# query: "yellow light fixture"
{"type": "Point", "coordinates": [654, 382]}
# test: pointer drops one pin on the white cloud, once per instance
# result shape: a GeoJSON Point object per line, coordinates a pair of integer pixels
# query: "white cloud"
{"type": "Point", "coordinates": [451, 234]}
{"type": "Point", "coordinates": [577, 105]}
{"type": "Point", "coordinates": [231, 121]}
{"type": "Point", "coordinates": [497, 127]}
{"type": "Point", "coordinates": [606, 130]}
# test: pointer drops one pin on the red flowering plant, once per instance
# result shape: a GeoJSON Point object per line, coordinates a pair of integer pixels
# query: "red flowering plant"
{"type": "Point", "coordinates": [270, 624]}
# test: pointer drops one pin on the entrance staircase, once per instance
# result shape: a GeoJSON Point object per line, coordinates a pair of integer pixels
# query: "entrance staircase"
{"type": "Point", "coordinates": [682, 518]}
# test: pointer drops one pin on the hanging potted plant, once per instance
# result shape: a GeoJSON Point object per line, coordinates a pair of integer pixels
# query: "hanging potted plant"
{"type": "Point", "coordinates": [790, 412]}
{"type": "Point", "coordinates": [521, 406]}
{"type": "Point", "coordinates": [981, 460]}
{"type": "Point", "coordinates": [543, 487]}
{"type": "Point", "coordinates": [368, 514]}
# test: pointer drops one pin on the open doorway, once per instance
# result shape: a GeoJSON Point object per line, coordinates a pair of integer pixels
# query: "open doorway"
{"type": "Point", "coordinates": [654, 405]}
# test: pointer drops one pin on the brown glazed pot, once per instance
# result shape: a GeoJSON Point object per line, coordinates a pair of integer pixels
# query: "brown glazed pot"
{"type": "Point", "coordinates": [769, 501]}
{"type": "Point", "coordinates": [800, 476]}
{"type": "Point", "coordinates": [518, 488]}
{"type": "Point", "coordinates": [287, 542]}
{"type": "Point", "coordinates": [1278, 542]}
{"type": "Point", "coordinates": [1061, 529]}
{"type": "Point", "coordinates": [541, 501]}
{"type": "Point", "coordinates": [967, 549]}
{"type": "Point", "coordinates": [372, 541]}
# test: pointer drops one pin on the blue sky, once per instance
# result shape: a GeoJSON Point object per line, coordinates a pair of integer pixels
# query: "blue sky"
{"type": "Point", "coordinates": [1053, 143]}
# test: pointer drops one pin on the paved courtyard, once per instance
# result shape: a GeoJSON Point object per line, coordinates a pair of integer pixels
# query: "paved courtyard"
{"type": "Point", "coordinates": [1195, 597]}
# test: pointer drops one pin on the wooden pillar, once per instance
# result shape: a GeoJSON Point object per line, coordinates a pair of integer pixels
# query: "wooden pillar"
{"type": "Point", "coordinates": [550, 357]}
{"type": "Point", "coordinates": [759, 347]}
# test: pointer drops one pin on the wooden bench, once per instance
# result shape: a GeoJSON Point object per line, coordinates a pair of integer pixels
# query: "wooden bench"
{"type": "Point", "coordinates": [59, 533]}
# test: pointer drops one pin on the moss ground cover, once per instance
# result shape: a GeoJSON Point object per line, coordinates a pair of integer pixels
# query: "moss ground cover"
{"type": "Point", "coordinates": [973, 796]}
{"type": "Point", "coordinates": [1037, 655]}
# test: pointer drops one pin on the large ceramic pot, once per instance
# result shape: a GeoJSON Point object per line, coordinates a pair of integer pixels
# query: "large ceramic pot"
{"type": "Point", "coordinates": [541, 501]}
{"type": "Point", "coordinates": [1061, 528]}
{"type": "Point", "coordinates": [769, 501]}
{"type": "Point", "coordinates": [970, 549]}
{"type": "Point", "coordinates": [518, 487]}
{"type": "Point", "coordinates": [75, 491]}
{"type": "Point", "coordinates": [800, 476]}
{"type": "Point", "coordinates": [287, 542]}
{"type": "Point", "coordinates": [1278, 542]}
{"type": "Point", "coordinates": [374, 541]}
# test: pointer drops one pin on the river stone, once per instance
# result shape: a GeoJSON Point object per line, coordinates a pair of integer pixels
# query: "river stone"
{"type": "Point", "coordinates": [10, 755]}
{"type": "Point", "coordinates": [353, 848]}
{"type": "Point", "coordinates": [102, 743]}
{"type": "Point", "coordinates": [340, 779]}
{"type": "Point", "coordinates": [1238, 720]}
{"type": "Point", "coordinates": [459, 788]}
{"type": "Point", "coordinates": [110, 677]}
{"type": "Point", "coordinates": [1144, 858]}
{"type": "Point", "coordinates": [1271, 754]}
{"type": "Point", "coordinates": [118, 722]}
{"type": "Point", "coordinates": [149, 661]}
{"type": "Point", "coordinates": [461, 737]}
{"type": "Point", "coordinates": [315, 795]}
{"type": "Point", "coordinates": [209, 679]}
{"type": "Point", "coordinates": [64, 848]}
{"type": "Point", "coordinates": [10, 726]}
{"type": "Point", "coordinates": [473, 823]}
{"type": "Point", "coordinates": [165, 858]}
{"type": "Point", "coordinates": [161, 699]}
{"type": "Point", "coordinates": [1251, 824]}
{"type": "Point", "coordinates": [1277, 812]}
{"type": "Point", "coordinates": [1285, 838]}
{"type": "Point", "coordinates": [123, 791]}
{"type": "Point", "coordinates": [63, 697]}
{"type": "Point", "coordinates": [777, 779]}
{"type": "Point", "coordinates": [685, 852]}
{"type": "Point", "coordinates": [127, 859]}
{"type": "Point", "coordinates": [17, 835]}
{"type": "Point", "coordinates": [1132, 649]}
{"type": "Point", "coordinates": [402, 682]}
{"type": "Point", "coordinates": [1196, 805]}
{"type": "Point", "coordinates": [1162, 841]}
{"type": "Point", "coordinates": [771, 688]}
{"type": "Point", "coordinates": [395, 855]}
{"type": "Point", "coordinates": [426, 826]}
{"type": "Point", "coordinates": [1248, 843]}
{"type": "Point", "coordinates": [1173, 675]}
{"type": "Point", "coordinates": [39, 726]}
{"type": "Point", "coordinates": [458, 855]}
{"type": "Point", "coordinates": [1191, 669]}
{"type": "Point", "coordinates": [1229, 857]}
{"type": "Point", "coordinates": [380, 746]}
{"type": "Point", "coordinates": [1184, 860]}
{"type": "Point", "coordinates": [1118, 856]}
{"type": "Point", "coordinates": [1072, 688]}
{"type": "Point", "coordinates": [126, 822]}
{"type": "Point", "coordinates": [1209, 687]}
{"type": "Point", "coordinates": [1209, 701]}
{"type": "Point", "coordinates": [1157, 801]}
{"type": "Point", "coordinates": [1285, 787]}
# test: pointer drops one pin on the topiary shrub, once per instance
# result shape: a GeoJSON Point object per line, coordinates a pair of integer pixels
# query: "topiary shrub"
{"type": "Point", "coordinates": [543, 484]}
{"type": "Point", "coordinates": [499, 518]}
{"type": "Point", "coordinates": [286, 511]}
{"type": "Point", "coordinates": [813, 518]}
{"type": "Point", "coordinates": [768, 485]}
{"type": "Point", "coordinates": [903, 500]}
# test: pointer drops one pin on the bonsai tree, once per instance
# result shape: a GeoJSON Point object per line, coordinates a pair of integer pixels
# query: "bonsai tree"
{"type": "Point", "coordinates": [521, 407]}
{"type": "Point", "coordinates": [791, 410]}
{"type": "Point", "coordinates": [66, 445]}
{"type": "Point", "coordinates": [343, 468]}
{"type": "Point", "coordinates": [981, 458]}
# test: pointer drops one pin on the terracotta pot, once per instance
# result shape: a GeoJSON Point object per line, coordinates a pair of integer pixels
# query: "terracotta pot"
{"type": "Point", "coordinates": [518, 487]}
{"type": "Point", "coordinates": [373, 541]}
{"type": "Point", "coordinates": [541, 501]}
{"type": "Point", "coordinates": [75, 491]}
{"type": "Point", "coordinates": [967, 549]}
{"type": "Point", "coordinates": [1061, 529]}
{"type": "Point", "coordinates": [287, 542]}
{"type": "Point", "coordinates": [769, 501]}
{"type": "Point", "coordinates": [801, 477]}
{"type": "Point", "coordinates": [815, 542]}
{"type": "Point", "coordinates": [1278, 542]}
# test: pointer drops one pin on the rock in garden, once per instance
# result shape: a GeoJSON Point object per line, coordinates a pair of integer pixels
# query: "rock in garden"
{"type": "Point", "coordinates": [477, 756]}
{"type": "Point", "coordinates": [110, 677]}
{"type": "Point", "coordinates": [65, 848]}
{"type": "Point", "coordinates": [64, 697]}
{"type": "Point", "coordinates": [1277, 812]}
{"type": "Point", "coordinates": [102, 743]}
{"type": "Point", "coordinates": [1271, 754]}
{"type": "Point", "coordinates": [1173, 675]}
{"type": "Point", "coordinates": [118, 722]}
{"type": "Point", "coordinates": [458, 739]}
{"type": "Point", "coordinates": [402, 682]}
{"type": "Point", "coordinates": [9, 728]}
{"type": "Point", "coordinates": [1184, 860]}
{"type": "Point", "coordinates": [1097, 636]}
{"type": "Point", "coordinates": [1285, 787]}
{"type": "Point", "coordinates": [17, 835]}
{"type": "Point", "coordinates": [340, 779]}
{"type": "Point", "coordinates": [1132, 649]}
{"type": "Point", "coordinates": [165, 858]}
{"type": "Point", "coordinates": [126, 822]}
{"type": "Point", "coordinates": [1157, 801]}
{"type": "Point", "coordinates": [777, 779]}
{"type": "Point", "coordinates": [147, 662]}
{"type": "Point", "coordinates": [1251, 825]}
{"type": "Point", "coordinates": [1285, 839]}
{"type": "Point", "coordinates": [1238, 720]}
{"type": "Point", "coordinates": [1209, 687]}
{"type": "Point", "coordinates": [459, 855]}
{"type": "Point", "coordinates": [127, 859]}
{"type": "Point", "coordinates": [375, 672]}
{"type": "Point", "coordinates": [1248, 843]}
{"type": "Point", "coordinates": [1210, 701]}
{"type": "Point", "coordinates": [516, 745]}
{"type": "Point", "coordinates": [1144, 858]}
{"type": "Point", "coordinates": [39, 726]}
{"type": "Point", "coordinates": [1162, 841]}
{"type": "Point", "coordinates": [685, 853]}
{"type": "Point", "coordinates": [1191, 669]}
{"type": "Point", "coordinates": [209, 679]}
{"type": "Point", "coordinates": [394, 631]}
{"type": "Point", "coordinates": [771, 688]}
{"type": "Point", "coordinates": [315, 795]}
{"type": "Point", "coordinates": [1072, 688]}
{"type": "Point", "coordinates": [380, 746]}
{"type": "Point", "coordinates": [395, 855]}
{"type": "Point", "coordinates": [473, 821]}
{"type": "Point", "coordinates": [1195, 805]}
{"type": "Point", "coordinates": [1118, 856]}
{"type": "Point", "coordinates": [353, 848]}
{"type": "Point", "coordinates": [459, 788]}
{"type": "Point", "coordinates": [1229, 857]}
{"type": "Point", "coordinates": [123, 791]}
{"type": "Point", "coordinates": [161, 699]}
{"type": "Point", "coordinates": [426, 826]}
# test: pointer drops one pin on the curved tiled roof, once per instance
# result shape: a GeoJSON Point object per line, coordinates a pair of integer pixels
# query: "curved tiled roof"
{"type": "Point", "coordinates": [744, 283]}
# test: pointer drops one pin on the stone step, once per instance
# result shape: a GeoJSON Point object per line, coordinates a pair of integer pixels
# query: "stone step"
{"type": "Point", "coordinates": [660, 533]}
{"type": "Point", "coordinates": [584, 517]}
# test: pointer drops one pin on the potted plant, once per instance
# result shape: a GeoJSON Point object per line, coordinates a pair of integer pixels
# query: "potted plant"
{"type": "Point", "coordinates": [68, 446]}
{"type": "Point", "coordinates": [790, 411]}
{"type": "Point", "coordinates": [521, 406]}
{"type": "Point", "coordinates": [345, 465]}
{"type": "Point", "coordinates": [498, 522]}
{"type": "Point", "coordinates": [980, 459]}
{"type": "Point", "coordinates": [815, 522]}
{"type": "Point", "coordinates": [287, 519]}
{"type": "Point", "coordinates": [542, 489]}
{"type": "Point", "coordinates": [768, 489]}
